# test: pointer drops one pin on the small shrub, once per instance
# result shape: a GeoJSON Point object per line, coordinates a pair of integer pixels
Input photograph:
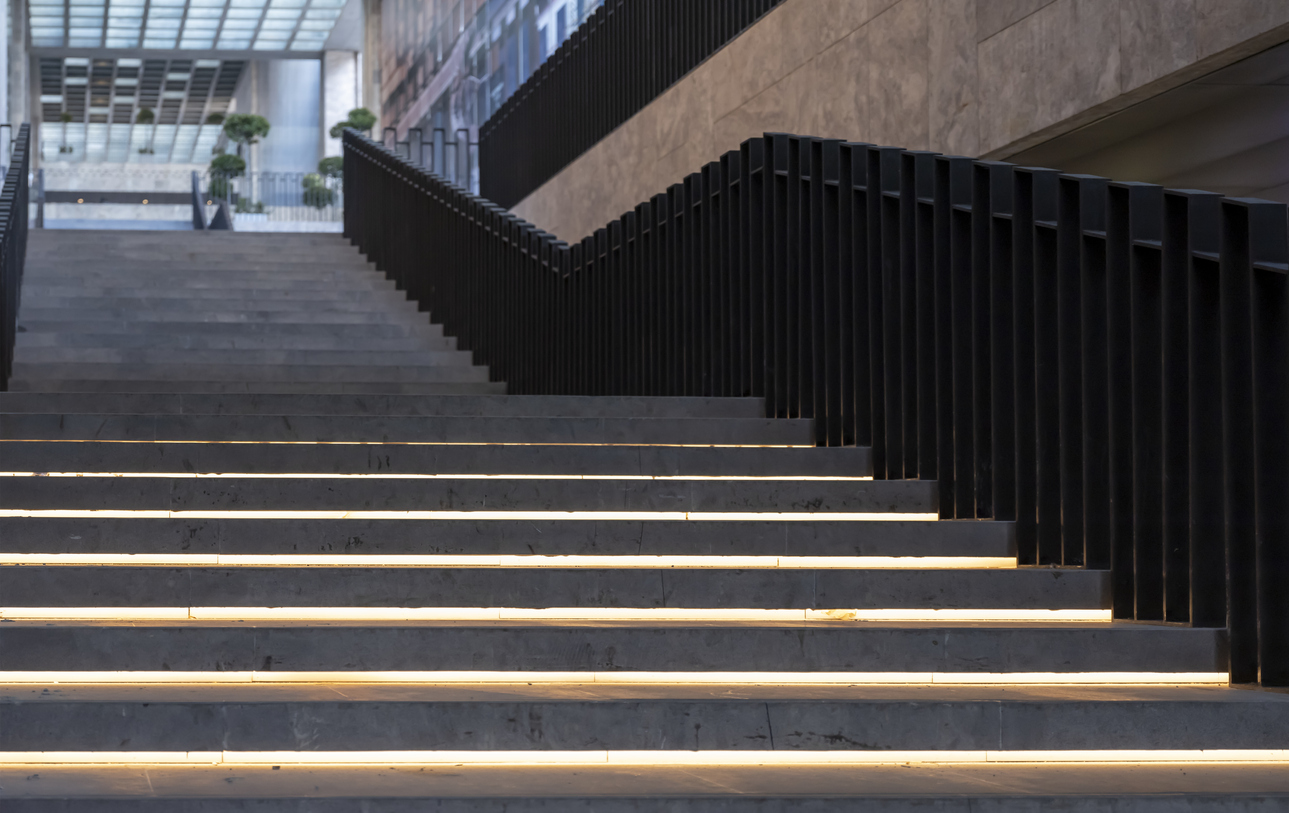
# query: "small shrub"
{"type": "Point", "coordinates": [316, 193]}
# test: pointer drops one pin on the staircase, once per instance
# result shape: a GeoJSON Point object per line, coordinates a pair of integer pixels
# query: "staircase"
{"type": "Point", "coordinates": [251, 568]}
{"type": "Point", "coordinates": [123, 311]}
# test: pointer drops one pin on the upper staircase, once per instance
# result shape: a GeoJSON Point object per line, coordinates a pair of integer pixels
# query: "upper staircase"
{"type": "Point", "coordinates": [138, 311]}
{"type": "Point", "coordinates": [253, 559]}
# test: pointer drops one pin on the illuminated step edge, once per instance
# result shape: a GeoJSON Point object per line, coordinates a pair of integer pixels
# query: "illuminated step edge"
{"type": "Point", "coordinates": [570, 562]}
{"type": "Point", "coordinates": [572, 679]}
{"type": "Point", "coordinates": [358, 616]}
{"type": "Point", "coordinates": [590, 516]}
{"type": "Point", "coordinates": [421, 443]}
{"type": "Point", "coordinates": [188, 475]}
{"type": "Point", "coordinates": [714, 759]}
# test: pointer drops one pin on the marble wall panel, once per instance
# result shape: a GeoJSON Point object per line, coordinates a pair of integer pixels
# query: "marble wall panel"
{"type": "Point", "coordinates": [1222, 24]}
{"type": "Point", "coordinates": [897, 48]}
{"type": "Point", "coordinates": [1059, 61]}
{"type": "Point", "coordinates": [993, 16]}
{"type": "Point", "coordinates": [786, 39]}
{"type": "Point", "coordinates": [839, 80]}
{"type": "Point", "coordinates": [973, 77]}
{"type": "Point", "coordinates": [952, 80]}
{"type": "Point", "coordinates": [1157, 37]}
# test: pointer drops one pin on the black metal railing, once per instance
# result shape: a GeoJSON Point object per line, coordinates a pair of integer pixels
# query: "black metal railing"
{"type": "Point", "coordinates": [1104, 364]}
{"type": "Point", "coordinates": [454, 159]}
{"type": "Point", "coordinates": [623, 57]}
{"type": "Point", "coordinates": [13, 245]}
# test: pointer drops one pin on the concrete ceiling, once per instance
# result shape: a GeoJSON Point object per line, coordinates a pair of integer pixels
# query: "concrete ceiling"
{"type": "Point", "coordinates": [1227, 132]}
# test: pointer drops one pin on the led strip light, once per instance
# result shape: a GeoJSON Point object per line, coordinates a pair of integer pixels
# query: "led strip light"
{"type": "Point", "coordinates": [466, 679]}
{"type": "Point", "coordinates": [187, 475]}
{"type": "Point", "coordinates": [416, 443]}
{"type": "Point", "coordinates": [573, 562]}
{"type": "Point", "coordinates": [713, 759]}
{"type": "Point", "coordinates": [690, 516]}
{"type": "Point", "coordinates": [449, 616]}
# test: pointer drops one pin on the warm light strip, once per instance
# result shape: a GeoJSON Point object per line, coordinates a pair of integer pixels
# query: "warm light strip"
{"type": "Point", "coordinates": [467, 615]}
{"type": "Point", "coordinates": [187, 475]}
{"type": "Point", "coordinates": [415, 443]}
{"type": "Point", "coordinates": [624, 562]}
{"type": "Point", "coordinates": [592, 516]}
{"type": "Point", "coordinates": [691, 759]}
{"type": "Point", "coordinates": [590, 678]}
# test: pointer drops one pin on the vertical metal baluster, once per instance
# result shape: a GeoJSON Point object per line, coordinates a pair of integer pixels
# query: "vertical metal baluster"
{"type": "Point", "coordinates": [917, 259]}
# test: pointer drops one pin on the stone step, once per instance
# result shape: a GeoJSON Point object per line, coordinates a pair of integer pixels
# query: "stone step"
{"type": "Point", "coordinates": [544, 537]}
{"type": "Point", "coordinates": [463, 406]}
{"type": "Point", "coordinates": [883, 497]}
{"type": "Point", "coordinates": [182, 286]}
{"type": "Point", "coordinates": [25, 358]}
{"type": "Point", "coordinates": [92, 272]}
{"type": "Point", "coordinates": [601, 586]}
{"type": "Point", "coordinates": [863, 648]}
{"type": "Point", "coordinates": [123, 307]}
{"type": "Point", "coordinates": [126, 342]}
{"type": "Point", "coordinates": [59, 326]}
{"type": "Point", "coordinates": [400, 429]}
{"type": "Point", "coordinates": [162, 270]}
{"type": "Point", "coordinates": [449, 783]}
{"type": "Point", "coordinates": [396, 458]}
{"type": "Point", "coordinates": [46, 296]}
{"type": "Point", "coordinates": [265, 314]}
{"type": "Point", "coordinates": [1132, 720]}
{"type": "Point", "coordinates": [168, 237]}
{"type": "Point", "coordinates": [325, 386]}
{"type": "Point", "coordinates": [445, 368]}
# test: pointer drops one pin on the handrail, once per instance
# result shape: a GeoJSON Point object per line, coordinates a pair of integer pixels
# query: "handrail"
{"type": "Point", "coordinates": [13, 246]}
{"type": "Point", "coordinates": [1105, 365]}
{"type": "Point", "coordinates": [626, 54]}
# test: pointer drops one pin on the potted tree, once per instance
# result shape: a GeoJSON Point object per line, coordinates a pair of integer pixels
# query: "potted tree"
{"type": "Point", "coordinates": [360, 118]}
{"type": "Point", "coordinates": [146, 117]}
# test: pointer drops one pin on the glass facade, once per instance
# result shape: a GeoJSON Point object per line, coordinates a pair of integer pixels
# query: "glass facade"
{"type": "Point", "coordinates": [448, 64]}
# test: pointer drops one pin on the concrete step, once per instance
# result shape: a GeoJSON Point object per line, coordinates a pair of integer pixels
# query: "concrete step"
{"type": "Point", "coordinates": [182, 285]}
{"type": "Point", "coordinates": [124, 306]}
{"type": "Point", "coordinates": [544, 537]}
{"type": "Point", "coordinates": [230, 341]}
{"type": "Point", "coordinates": [1141, 720]}
{"type": "Point", "coordinates": [162, 269]}
{"type": "Point", "coordinates": [463, 406]}
{"type": "Point", "coordinates": [60, 326]}
{"type": "Point", "coordinates": [518, 459]}
{"type": "Point", "coordinates": [212, 238]}
{"type": "Point", "coordinates": [398, 429]}
{"type": "Point", "coordinates": [790, 497]}
{"type": "Point", "coordinates": [445, 368]}
{"type": "Point", "coordinates": [46, 296]}
{"type": "Point", "coordinates": [320, 387]}
{"type": "Point", "coordinates": [114, 271]}
{"type": "Point", "coordinates": [862, 648]}
{"type": "Point", "coordinates": [266, 314]}
{"type": "Point", "coordinates": [26, 358]}
{"type": "Point", "coordinates": [448, 783]}
{"type": "Point", "coordinates": [601, 586]}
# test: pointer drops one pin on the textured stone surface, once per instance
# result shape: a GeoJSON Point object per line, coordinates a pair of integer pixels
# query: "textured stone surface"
{"type": "Point", "coordinates": [156, 312]}
{"type": "Point", "coordinates": [972, 77]}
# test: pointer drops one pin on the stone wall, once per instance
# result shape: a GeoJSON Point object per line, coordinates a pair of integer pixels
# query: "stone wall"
{"type": "Point", "coordinates": [984, 78]}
